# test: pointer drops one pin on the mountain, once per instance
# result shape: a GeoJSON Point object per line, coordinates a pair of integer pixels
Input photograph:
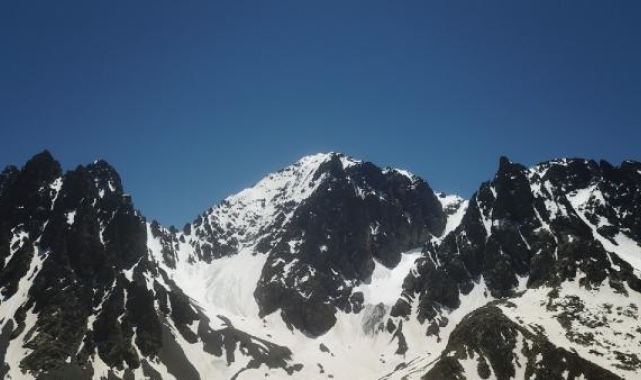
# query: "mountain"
{"type": "Point", "coordinates": [551, 253]}
{"type": "Point", "coordinates": [329, 268]}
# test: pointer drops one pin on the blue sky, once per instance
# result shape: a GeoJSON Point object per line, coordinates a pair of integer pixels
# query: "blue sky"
{"type": "Point", "coordinates": [193, 101]}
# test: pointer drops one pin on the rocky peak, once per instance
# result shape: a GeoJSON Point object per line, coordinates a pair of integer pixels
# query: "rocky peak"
{"type": "Point", "coordinates": [250, 218]}
{"type": "Point", "coordinates": [513, 196]}
{"type": "Point", "coordinates": [89, 234]}
{"type": "Point", "coordinates": [26, 193]}
{"type": "Point", "coordinates": [544, 225]}
{"type": "Point", "coordinates": [358, 214]}
{"type": "Point", "coordinates": [42, 167]}
{"type": "Point", "coordinates": [322, 223]}
{"type": "Point", "coordinates": [255, 218]}
{"type": "Point", "coordinates": [81, 296]}
{"type": "Point", "coordinates": [504, 163]}
{"type": "Point", "coordinates": [105, 177]}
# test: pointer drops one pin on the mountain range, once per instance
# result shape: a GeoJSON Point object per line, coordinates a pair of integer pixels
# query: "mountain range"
{"type": "Point", "coordinates": [332, 268]}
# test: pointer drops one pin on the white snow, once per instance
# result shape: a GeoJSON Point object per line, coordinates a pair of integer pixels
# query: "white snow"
{"type": "Point", "coordinates": [71, 215]}
{"type": "Point", "coordinates": [387, 284]}
{"type": "Point", "coordinates": [424, 350]}
{"type": "Point", "coordinates": [532, 312]}
{"type": "Point", "coordinates": [18, 239]}
{"type": "Point", "coordinates": [223, 287]}
{"type": "Point", "coordinates": [346, 161]}
{"type": "Point", "coordinates": [374, 228]}
{"type": "Point", "coordinates": [407, 174]}
{"type": "Point", "coordinates": [247, 215]}
{"type": "Point", "coordinates": [520, 360]}
{"type": "Point", "coordinates": [626, 248]}
{"type": "Point", "coordinates": [129, 273]}
{"type": "Point", "coordinates": [226, 286]}
{"type": "Point", "coordinates": [56, 185]}
{"type": "Point", "coordinates": [455, 218]}
{"type": "Point", "coordinates": [16, 351]}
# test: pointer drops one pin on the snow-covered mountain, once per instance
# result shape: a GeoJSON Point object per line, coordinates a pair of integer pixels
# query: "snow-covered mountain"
{"type": "Point", "coordinates": [329, 268]}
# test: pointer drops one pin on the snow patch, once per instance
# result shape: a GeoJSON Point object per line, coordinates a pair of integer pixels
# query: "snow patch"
{"type": "Point", "coordinates": [386, 284]}
{"type": "Point", "coordinates": [71, 216]}
{"type": "Point", "coordinates": [224, 286]}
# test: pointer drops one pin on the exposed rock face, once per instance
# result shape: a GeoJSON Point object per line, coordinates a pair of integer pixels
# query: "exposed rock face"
{"type": "Point", "coordinates": [321, 223]}
{"type": "Point", "coordinates": [93, 234]}
{"type": "Point", "coordinates": [78, 284]}
{"type": "Point", "coordinates": [488, 344]}
{"type": "Point", "coordinates": [25, 204]}
{"type": "Point", "coordinates": [358, 214]}
{"type": "Point", "coordinates": [532, 224]}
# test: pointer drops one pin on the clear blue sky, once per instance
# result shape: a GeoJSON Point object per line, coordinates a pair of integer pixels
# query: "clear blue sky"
{"type": "Point", "coordinates": [192, 101]}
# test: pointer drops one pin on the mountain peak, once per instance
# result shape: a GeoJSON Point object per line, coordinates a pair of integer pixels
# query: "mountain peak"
{"type": "Point", "coordinates": [504, 160]}
{"type": "Point", "coordinates": [320, 158]}
{"type": "Point", "coordinates": [254, 211]}
{"type": "Point", "coordinates": [42, 166]}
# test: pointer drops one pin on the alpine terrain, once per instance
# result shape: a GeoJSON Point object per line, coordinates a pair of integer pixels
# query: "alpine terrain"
{"type": "Point", "coordinates": [332, 268]}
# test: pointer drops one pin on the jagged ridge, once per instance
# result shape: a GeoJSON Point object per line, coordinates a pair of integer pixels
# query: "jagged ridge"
{"type": "Point", "coordinates": [253, 285]}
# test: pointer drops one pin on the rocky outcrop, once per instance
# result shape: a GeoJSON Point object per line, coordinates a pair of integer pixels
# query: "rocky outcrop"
{"type": "Point", "coordinates": [358, 213]}
{"type": "Point", "coordinates": [487, 344]}
{"type": "Point", "coordinates": [80, 288]}
{"type": "Point", "coordinates": [542, 225]}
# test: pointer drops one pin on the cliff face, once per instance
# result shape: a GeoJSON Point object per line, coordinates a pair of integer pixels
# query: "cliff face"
{"type": "Point", "coordinates": [82, 297]}
{"type": "Point", "coordinates": [560, 235]}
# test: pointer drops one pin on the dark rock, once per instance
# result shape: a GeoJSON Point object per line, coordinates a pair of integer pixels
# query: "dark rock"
{"type": "Point", "coordinates": [502, 236]}
{"type": "Point", "coordinates": [357, 214]}
{"type": "Point", "coordinates": [489, 335]}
